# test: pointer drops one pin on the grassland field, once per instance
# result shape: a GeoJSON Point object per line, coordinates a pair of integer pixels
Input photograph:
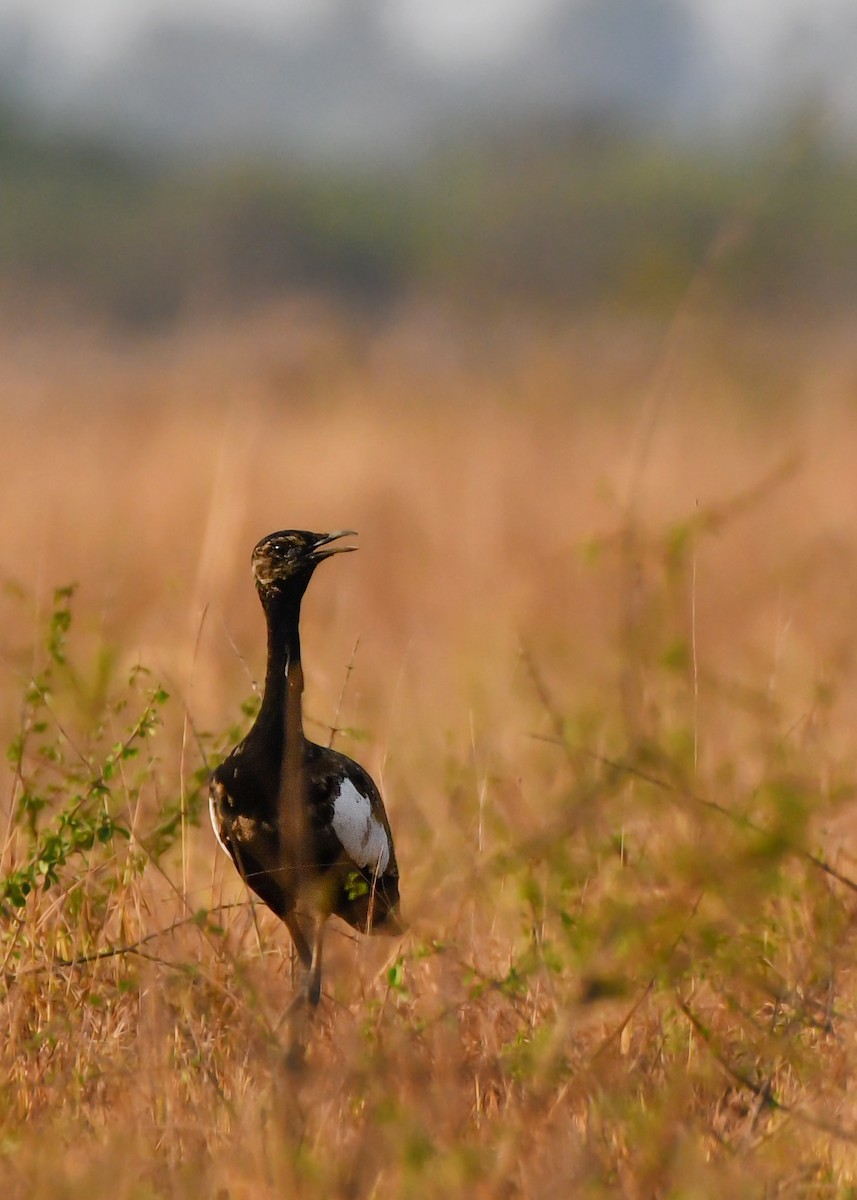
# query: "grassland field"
{"type": "Point", "coordinates": [598, 648]}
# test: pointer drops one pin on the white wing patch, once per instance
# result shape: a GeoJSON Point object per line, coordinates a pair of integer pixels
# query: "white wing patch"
{"type": "Point", "coordinates": [363, 837]}
{"type": "Point", "coordinates": [215, 818]}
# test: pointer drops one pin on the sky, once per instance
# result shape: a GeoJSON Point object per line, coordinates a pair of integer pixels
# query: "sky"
{"type": "Point", "coordinates": [762, 55]}
{"type": "Point", "coordinates": [456, 29]}
{"type": "Point", "coordinates": [92, 29]}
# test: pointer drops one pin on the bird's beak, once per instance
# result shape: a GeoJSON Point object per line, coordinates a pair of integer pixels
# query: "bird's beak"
{"type": "Point", "coordinates": [327, 538]}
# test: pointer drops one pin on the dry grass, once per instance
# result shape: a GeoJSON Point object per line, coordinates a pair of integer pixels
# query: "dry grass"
{"type": "Point", "coordinates": [605, 675]}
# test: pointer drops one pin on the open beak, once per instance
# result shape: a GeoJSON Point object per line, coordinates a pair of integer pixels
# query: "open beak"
{"type": "Point", "coordinates": [325, 540]}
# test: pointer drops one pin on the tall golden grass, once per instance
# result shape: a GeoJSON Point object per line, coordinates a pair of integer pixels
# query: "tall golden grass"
{"type": "Point", "coordinates": [597, 648]}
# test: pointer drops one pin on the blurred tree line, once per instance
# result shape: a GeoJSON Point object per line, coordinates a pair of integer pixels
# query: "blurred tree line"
{"type": "Point", "coordinates": [578, 215]}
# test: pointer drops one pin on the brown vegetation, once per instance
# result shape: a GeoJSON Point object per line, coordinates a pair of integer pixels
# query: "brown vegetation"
{"type": "Point", "coordinates": [597, 647]}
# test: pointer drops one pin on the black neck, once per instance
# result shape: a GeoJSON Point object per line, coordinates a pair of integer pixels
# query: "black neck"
{"type": "Point", "coordinates": [281, 702]}
{"type": "Point", "coordinates": [280, 719]}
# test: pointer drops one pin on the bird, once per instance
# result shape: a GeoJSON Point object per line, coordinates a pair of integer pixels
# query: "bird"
{"type": "Point", "coordinates": [304, 824]}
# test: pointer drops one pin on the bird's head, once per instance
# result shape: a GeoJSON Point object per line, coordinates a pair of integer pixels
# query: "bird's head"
{"type": "Point", "coordinates": [288, 558]}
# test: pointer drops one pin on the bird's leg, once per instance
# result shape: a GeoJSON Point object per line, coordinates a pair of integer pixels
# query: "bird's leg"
{"type": "Point", "coordinates": [313, 979]}
{"type": "Point", "coordinates": [310, 990]}
{"type": "Point", "coordinates": [306, 1000]}
{"type": "Point", "coordinates": [305, 954]}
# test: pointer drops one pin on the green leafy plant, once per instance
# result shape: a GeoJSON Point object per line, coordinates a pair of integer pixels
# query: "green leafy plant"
{"type": "Point", "coordinates": [75, 800]}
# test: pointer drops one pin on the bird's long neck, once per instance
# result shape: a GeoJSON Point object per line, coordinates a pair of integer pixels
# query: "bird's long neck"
{"type": "Point", "coordinates": [280, 720]}
{"type": "Point", "coordinates": [280, 713]}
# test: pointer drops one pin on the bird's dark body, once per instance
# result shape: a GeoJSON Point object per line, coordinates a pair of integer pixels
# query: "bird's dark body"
{"type": "Point", "coordinates": [245, 797]}
{"type": "Point", "coordinates": [304, 824]}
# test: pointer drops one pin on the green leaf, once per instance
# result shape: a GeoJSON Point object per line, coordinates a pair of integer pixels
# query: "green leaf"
{"type": "Point", "coordinates": [355, 885]}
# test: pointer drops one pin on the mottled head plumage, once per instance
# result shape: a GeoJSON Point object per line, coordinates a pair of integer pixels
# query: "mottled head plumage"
{"type": "Point", "coordinates": [293, 555]}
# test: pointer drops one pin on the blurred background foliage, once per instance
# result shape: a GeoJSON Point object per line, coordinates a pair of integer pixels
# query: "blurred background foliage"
{"type": "Point", "coordinates": [581, 216]}
{"type": "Point", "coordinates": [588, 163]}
